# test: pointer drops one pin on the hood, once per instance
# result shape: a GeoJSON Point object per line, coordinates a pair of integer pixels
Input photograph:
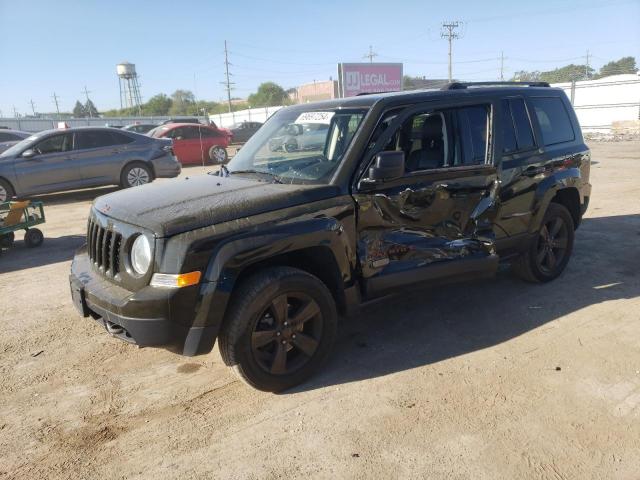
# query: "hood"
{"type": "Point", "coordinates": [180, 205]}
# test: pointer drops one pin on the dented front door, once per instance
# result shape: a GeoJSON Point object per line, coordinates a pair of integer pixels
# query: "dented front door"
{"type": "Point", "coordinates": [427, 225]}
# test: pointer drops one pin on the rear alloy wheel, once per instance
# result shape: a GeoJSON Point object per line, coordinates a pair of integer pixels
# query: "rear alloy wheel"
{"type": "Point", "coordinates": [218, 155]}
{"type": "Point", "coordinates": [135, 175]}
{"type": "Point", "coordinates": [550, 251]}
{"type": "Point", "coordinates": [6, 192]}
{"type": "Point", "coordinates": [280, 328]}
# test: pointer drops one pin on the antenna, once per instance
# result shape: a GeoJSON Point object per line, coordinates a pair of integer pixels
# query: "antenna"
{"type": "Point", "coordinates": [228, 83]}
{"type": "Point", "coordinates": [448, 32]}
{"type": "Point", "coordinates": [371, 55]}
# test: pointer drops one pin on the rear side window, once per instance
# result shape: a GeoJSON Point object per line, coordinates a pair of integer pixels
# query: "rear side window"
{"type": "Point", "coordinates": [553, 118]}
{"type": "Point", "coordinates": [473, 126]}
{"type": "Point", "coordinates": [9, 137]}
{"type": "Point", "coordinates": [517, 134]}
{"type": "Point", "coordinates": [95, 139]}
{"type": "Point", "coordinates": [120, 139]}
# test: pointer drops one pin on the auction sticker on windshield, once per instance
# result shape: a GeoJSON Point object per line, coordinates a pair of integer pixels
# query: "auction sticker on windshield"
{"type": "Point", "coordinates": [315, 117]}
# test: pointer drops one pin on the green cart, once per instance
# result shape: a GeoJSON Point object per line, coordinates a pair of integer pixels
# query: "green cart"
{"type": "Point", "coordinates": [21, 215]}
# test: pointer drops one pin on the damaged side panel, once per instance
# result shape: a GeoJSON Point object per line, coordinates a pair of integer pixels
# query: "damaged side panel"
{"type": "Point", "coordinates": [439, 219]}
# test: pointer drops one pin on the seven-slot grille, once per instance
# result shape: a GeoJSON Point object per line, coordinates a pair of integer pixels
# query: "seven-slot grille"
{"type": "Point", "coordinates": [103, 246]}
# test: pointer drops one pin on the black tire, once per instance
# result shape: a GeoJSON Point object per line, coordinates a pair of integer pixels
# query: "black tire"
{"type": "Point", "coordinates": [255, 336]}
{"type": "Point", "coordinates": [218, 155]}
{"type": "Point", "coordinates": [33, 238]}
{"type": "Point", "coordinates": [551, 249]}
{"type": "Point", "coordinates": [135, 174]}
{"type": "Point", "coordinates": [6, 191]}
{"type": "Point", "coordinates": [6, 240]}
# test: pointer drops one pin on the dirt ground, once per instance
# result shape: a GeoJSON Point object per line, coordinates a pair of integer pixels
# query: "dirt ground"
{"type": "Point", "coordinates": [494, 379]}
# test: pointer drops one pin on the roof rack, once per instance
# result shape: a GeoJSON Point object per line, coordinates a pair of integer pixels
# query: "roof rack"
{"type": "Point", "coordinates": [463, 85]}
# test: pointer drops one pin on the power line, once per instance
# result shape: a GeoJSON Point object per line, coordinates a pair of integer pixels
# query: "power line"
{"type": "Point", "coordinates": [228, 83]}
{"type": "Point", "coordinates": [371, 54]}
{"type": "Point", "coordinates": [86, 93]}
{"type": "Point", "coordinates": [450, 34]}
{"type": "Point", "coordinates": [55, 99]}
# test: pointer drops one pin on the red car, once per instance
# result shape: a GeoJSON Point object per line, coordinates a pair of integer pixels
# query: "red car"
{"type": "Point", "coordinates": [196, 144]}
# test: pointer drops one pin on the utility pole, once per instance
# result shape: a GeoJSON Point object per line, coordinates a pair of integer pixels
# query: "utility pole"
{"type": "Point", "coordinates": [55, 99]}
{"type": "Point", "coordinates": [448, 32]}
{"type": "Point", "coordinates": [33, 107]}
{"type": "Point", "coordinates": [371, 55]}
{"type": "Point", "coordinates": [586, 67]}
{"type": "Point", "coordinates": [15, 112]}
{"type": "Point", "coordinates": [86, 94]}
{"type": "Point", "coordinates": [502, 66]}
{"type": "Point", "coordinates": [227, 83]}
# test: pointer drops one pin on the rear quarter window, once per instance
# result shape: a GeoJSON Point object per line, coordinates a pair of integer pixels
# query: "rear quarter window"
{"type": "Point", "coordinates": [553, 119]}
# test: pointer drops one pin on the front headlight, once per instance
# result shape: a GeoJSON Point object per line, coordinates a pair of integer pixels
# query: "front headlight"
{"type": "Point", "coordinates": [141, 255]}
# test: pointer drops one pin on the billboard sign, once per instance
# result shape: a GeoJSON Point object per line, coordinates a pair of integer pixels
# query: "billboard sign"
{"type": "Point", "coordinates": [356, 78]}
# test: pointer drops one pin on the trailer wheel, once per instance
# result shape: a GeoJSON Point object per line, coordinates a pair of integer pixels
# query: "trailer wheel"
{"type": "Point", "coordinates": [6, 240]}
{"type": "Point", "coordinates": [33, 238]}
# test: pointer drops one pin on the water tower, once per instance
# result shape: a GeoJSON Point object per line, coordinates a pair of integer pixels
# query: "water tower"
{"type": "Point", "coordinates": [129, 87]}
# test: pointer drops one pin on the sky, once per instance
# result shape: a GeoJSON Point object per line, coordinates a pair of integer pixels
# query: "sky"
{"type": "Point", "coordinates": [62, 46]}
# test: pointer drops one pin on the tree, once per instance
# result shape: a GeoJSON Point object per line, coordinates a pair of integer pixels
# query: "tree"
{"type": "Point", "coordinates": [182, 102]}
{"type": "Point", "coordinates": [90, 109]}
{"type": "Point", "coordinates": [568, 73]}
{"type": "Point", "coordinates": [269, 94]}
{"type": "Point", "coordinates": [617, 67]}
{"type": "Point", "coordinates": [79, 110]}
{"type": "Point", "coordinates": [159, 104]}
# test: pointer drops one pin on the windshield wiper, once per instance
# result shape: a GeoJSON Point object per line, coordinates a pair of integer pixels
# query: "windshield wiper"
{"type": "Point", "coordinates": [276, 178]}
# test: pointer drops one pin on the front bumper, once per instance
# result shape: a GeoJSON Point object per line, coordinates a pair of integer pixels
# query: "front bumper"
{"type": "Point", "coordinates": [158, 317]}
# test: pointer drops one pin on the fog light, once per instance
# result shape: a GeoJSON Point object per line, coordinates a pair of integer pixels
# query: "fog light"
{"type": "Point", "coordinates": [178, 280]}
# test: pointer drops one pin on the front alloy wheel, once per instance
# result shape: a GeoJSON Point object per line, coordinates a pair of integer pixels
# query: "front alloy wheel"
{"type": "Point", "coordinates": [279, 328]}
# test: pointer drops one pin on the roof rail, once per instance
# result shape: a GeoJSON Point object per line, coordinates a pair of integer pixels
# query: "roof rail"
{"type": "Point", "coordinates": [463, 85]}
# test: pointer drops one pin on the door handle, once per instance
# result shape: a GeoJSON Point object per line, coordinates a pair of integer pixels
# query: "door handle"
{"type": "Point", "coordinates": [533, 171]}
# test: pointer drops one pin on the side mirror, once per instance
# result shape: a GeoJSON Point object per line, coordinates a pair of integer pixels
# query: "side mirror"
{"type": "Point", "coordinates": [387, 166]}
{"type": "Point", "coordinates": [29, 153]}
{"type": "Point", "coordinates": [294, 129]}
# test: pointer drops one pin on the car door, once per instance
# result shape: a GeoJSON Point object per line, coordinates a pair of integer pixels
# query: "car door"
{"type": "Point", "coordinates": [99, 155]}
{"type": "Point", "coordinates": [51, 167]}
{"type": "Point", "coordinates": [436, 220]}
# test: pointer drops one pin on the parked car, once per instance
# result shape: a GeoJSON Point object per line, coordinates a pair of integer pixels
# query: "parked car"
{"type": "Point", "coordinates": [57, 160]}
{"type": "Point", "coordinates": [195, 144]}
{"type": "Point", "coordinates": [140, 127]}
{"type": "Point", "coordinates": [300, 137]}
{"type": "Point", "coordinates": [243, 131]}
{"type": "Point", "coordinates": [180, 120]}
{"type": "Point", "coordinates": [267, 253]}
{"type": "Point", "coordinates": [11, 137]}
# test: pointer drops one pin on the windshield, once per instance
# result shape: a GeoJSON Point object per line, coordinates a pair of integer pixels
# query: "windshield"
{"type": "Point", "coordinates": [297, 146]}
{"type": "Point", "coordinates": [18, 147]}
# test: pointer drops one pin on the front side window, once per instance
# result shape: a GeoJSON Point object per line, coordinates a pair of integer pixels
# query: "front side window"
{"type": "Point", "coordinates": [553, 119]}
{"type": "Point", "coordinates": [447, 138]}
{"type": "Point", "coordinates": [299, 146]}
{"type": "Point", "coordinates": [54, 144]}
